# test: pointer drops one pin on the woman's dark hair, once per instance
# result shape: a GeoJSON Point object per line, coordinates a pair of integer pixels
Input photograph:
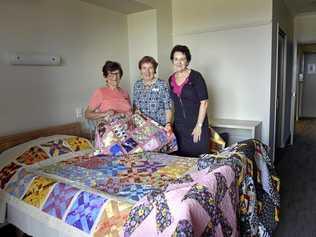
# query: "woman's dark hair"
{"type": "Point", "coordinates": [183, 49]}
{"type": "Point", "coordinates": [111, 66]}
{"type": "Point", "coordinates": [148, 59]}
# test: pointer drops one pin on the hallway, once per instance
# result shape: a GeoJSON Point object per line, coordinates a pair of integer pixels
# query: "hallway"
{"type": "Point", "coordinates": [296, 167]}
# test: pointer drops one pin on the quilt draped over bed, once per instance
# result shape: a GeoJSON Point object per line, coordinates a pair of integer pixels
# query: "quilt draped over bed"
{"type": "Point", "coordinates": [234, 193]}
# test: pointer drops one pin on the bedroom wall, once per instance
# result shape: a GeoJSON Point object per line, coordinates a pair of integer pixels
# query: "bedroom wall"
{"type": "Point", "coordinates": [83, 34]}
{"type": "Point", "coordinates": [230, 42]}
{"type": "Point", "coordinates": [164, 33]}
{"type": "Point", "coordinates": [150, 33]}
{"type": "Point", "coordinates": [142, 40]}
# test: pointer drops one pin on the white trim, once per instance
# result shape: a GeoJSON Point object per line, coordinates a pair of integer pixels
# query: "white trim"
{"type": "Point", "coordinates": [273, 92]}
{"type": "Point", "coordinates": [301, 84]}
{"type": "Point", "coordinates": [226, 27]}
{"type": "Point", "coordinates": [293, 91]}
{"type": "Point", "coordinates": [276, 86]}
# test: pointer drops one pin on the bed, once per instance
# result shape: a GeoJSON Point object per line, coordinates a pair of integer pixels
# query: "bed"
{"type": "Point", "coordinates": [68, 190]}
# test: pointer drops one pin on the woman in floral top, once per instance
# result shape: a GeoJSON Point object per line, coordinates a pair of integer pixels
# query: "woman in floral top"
{"type": "Point", "coordinates": [151, 95]}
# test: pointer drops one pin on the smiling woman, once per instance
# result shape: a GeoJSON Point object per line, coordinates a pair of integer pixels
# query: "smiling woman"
{"type": "Point", "coordinates": [190, 98]}
{"type": "Point", "coordinates": [151, 95]}
{"type": "Point", "coordinates": [110, 97]}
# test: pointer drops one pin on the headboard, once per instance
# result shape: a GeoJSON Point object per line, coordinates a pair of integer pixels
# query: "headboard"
{"type": "Point", "coordinates": [15, 139]}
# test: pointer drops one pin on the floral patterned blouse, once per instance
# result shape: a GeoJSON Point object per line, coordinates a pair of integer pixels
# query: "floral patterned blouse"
{"type": "Point", "coordinates": [153, 100]}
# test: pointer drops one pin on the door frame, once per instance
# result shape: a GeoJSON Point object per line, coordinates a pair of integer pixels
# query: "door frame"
{"type": "Point", "coordinates": [283, 89]}
{"type": "Point", "coordinates": [299, 87]}
{"type": "Point", "coordinates": [295, 94]}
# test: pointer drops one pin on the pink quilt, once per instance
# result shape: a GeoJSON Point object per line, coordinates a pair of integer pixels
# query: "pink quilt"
{"type": "Point", "coordinates": [203, 203]}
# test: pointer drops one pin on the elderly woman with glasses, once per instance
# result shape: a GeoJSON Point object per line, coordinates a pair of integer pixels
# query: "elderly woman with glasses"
{"type": "Point", "coordinates": [111, 97]}
{"type": "Point", "coordinates": [151, 95]}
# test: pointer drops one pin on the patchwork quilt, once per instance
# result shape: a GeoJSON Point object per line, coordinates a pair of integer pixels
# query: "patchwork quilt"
{"type": "Point", "coordinates": [258, 184]}
{"type": "Point", "coordinates": [118, 134]}
{"type": "Point", "coordinates": [153, 194]}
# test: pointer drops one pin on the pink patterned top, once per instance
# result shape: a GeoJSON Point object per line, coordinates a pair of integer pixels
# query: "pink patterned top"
{"type": "Point", "coordinates": [177, 89]}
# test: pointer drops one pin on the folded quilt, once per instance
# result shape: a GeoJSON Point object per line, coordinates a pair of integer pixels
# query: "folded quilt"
{"type": "Point", "coordinates": [118, 134]}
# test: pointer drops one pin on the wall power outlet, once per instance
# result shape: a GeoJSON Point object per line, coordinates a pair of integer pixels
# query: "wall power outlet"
{"type": "Point", "coordinates": [79, 113]}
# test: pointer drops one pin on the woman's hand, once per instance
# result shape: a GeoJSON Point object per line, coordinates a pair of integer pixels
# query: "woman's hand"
{"type": "Point", "coordinates": [93, 114]}
{"type": "Point", "coordinates": [196, 133]}
{"type": "Point", "coordinates": [169, 130]}
{"type": "Point", "coordinates": [168, 127]}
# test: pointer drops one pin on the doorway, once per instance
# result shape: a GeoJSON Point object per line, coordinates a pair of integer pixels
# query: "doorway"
{"type": "Point", "coordinates": [308, 85]}
{"type": "Point", "coordinates": [306, 81]}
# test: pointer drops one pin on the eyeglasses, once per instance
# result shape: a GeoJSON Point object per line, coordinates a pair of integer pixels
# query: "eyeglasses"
{"type": "Point", "coordinates": [114, 74]}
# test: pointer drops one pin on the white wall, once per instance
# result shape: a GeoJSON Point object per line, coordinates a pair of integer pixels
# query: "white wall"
{"type": "Point", "coordinates": [164, 34]}
{"type": "Point", "coordinates": [305, 28]}
{"type": "Point", "coordinates": [207, 15]}
{"type": "Point", "coordinates": [230, 42]}
{"type": "Point", "coordinates": [142, 40]}
{"type": "Point", "coordinates": [84, 35]}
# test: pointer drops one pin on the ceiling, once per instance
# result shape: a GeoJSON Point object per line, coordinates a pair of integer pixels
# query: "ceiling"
{"type": "Point", "coordinates": [123, 6]}
{"type": "Point", "coordinates": [131, 6]}
{"type": "Point", "coordinates": [301, 6]}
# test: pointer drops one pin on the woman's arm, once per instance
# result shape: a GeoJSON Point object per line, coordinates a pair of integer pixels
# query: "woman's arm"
{"type": "Point", "coordinates": [94, 104]}
{"type": "Point", "coordinates": [197, 131]}
{"type": "Point", "coordinates": [168, 116]}
{"type": "Point", "coordinates": [93, 115]}
{"type": "Point", "coordinates": [167, 103]}
{"type": "Point", "coordinates": [201, 90]}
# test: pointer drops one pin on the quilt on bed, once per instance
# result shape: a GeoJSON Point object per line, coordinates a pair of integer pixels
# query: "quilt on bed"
{"type": "Point", "coordinates": [153, 194]}
{"type": "Point", "coordinates": [258, 184]}
{"type": "Point", "coordinates": [256, 202]}
{"type": "Point", "coordinates": [96, 193]}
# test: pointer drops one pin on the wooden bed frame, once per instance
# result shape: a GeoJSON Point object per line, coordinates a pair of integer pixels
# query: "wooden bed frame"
{"type": "Point", "coordinates": [15, 139]}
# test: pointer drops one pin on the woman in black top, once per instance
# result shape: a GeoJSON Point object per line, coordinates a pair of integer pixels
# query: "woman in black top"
{"type": "Point", "coordinates": [190, 98]}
